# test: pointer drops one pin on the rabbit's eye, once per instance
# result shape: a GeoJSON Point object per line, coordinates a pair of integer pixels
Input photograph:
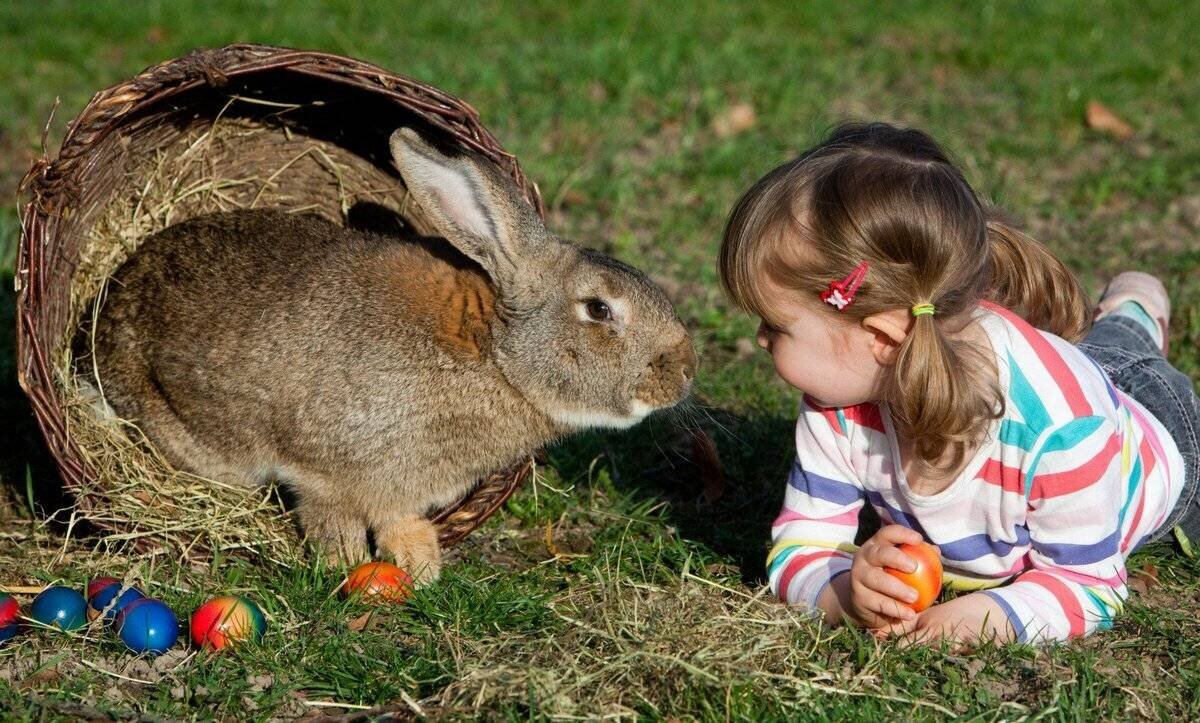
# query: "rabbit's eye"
{"type": "Point", "coordinates": [598, 310]}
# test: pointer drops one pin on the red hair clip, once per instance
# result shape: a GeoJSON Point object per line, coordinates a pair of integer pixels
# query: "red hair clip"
{"type": "Point", "coordinates": [840, 293]}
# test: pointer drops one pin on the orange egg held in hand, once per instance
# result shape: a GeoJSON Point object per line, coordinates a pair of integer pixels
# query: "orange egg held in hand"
{"type": "Point", "coordinates": [926, 579]}
{"type": "Point", "coordinates": [379, 582]}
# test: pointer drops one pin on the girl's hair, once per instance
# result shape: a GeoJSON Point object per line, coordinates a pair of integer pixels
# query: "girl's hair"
{"type": "Point", "coordinates": [890, 196]}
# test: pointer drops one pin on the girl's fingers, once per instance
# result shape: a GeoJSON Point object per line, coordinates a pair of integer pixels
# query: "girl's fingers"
{"type": "Point", "coordinates": [899, 628]}
{"type": "Point", "coordinates": [883, 605]}
{"type": "Point", "coordinates": [899, 534]}
{"type": "Point", "coordinates": [884, 584]}
{"type": "Point", "coordinates": [893, 558]}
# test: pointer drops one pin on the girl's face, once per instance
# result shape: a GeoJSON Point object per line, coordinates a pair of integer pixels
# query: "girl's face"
{"type": "Point", "coordinates": [828, 359]}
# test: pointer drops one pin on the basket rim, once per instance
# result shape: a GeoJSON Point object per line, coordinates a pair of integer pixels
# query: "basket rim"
{"type": "Point", "coordinates": [51, 187]}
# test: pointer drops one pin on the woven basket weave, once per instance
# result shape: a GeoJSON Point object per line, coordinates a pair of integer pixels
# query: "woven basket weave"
{"type": "Point", "coordinates": [245, 125]}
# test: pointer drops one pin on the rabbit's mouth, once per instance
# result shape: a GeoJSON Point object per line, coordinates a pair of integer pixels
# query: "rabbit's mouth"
{"type": "Point", "coordinates": [590, 419]}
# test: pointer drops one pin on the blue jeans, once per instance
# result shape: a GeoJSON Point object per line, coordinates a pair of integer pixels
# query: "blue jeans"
{"type": "Point", "coordinates": [1129, 356]}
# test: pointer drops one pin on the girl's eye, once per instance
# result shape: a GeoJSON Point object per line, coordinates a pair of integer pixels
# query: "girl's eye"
{"type": "Point", "coordinates": [598, 310]}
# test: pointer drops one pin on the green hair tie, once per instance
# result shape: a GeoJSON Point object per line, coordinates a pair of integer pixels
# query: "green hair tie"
{"type": "Point", "coordinates": [922, 310]}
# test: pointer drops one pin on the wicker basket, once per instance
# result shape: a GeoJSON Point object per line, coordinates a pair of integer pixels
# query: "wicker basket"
{"type": "Point", "coordinates": [245, 125]}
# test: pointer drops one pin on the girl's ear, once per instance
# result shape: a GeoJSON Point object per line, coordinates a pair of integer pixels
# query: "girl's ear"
{"type": "Point", "coordinates": [890, 329]}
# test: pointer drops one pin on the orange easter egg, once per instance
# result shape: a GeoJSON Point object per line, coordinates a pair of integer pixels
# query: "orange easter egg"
{"type": "Point", "coordinates": [926, 579]}
{"type": "Point", "coordinates": [379, 582]}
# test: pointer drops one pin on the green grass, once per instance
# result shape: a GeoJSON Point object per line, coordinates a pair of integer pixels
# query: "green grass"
{"type": "Point", "coordinates": [610, 109]}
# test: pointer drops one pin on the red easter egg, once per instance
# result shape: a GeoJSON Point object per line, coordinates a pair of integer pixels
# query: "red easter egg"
{"type": "Point", "coordinates": [10, 617]}
{"type": "Point", "coordinates": [379, 582]}
{"type": "Point", "coordinates": [98, 584]}
{"type": "Point", "coordinates": [227, 620]}
{"type": "Point", "coordinates": [926, 579]}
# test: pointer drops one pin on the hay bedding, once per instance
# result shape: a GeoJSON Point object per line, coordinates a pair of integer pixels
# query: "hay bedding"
{"type": "Point", "coordinates": [202, 172]}
{"type": "Point", "coordinates": [271, 141]}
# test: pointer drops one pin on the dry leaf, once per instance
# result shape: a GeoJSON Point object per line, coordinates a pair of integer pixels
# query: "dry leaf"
{"type": "Point", "coordinates": [733, 120]}
{"type": "Point", "coordinates": [574, 197]}
{"type": "Point", "coordinates": [359, 623]}
{"type": "Point", "coordinates": [1102, 119]}
{"type": "Point", "coordinates": [597, 92]}
{"type": "Point", "coordinates": [1147, 576]}
{"type": "Point", "coordinates": [549, 540]}
{"type": "Point", "coordinates": [42, 678]}
{"type": "Point", "coordinates": [708, 465]}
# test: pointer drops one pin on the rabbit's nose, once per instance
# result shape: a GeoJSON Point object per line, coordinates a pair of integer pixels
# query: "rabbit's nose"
{"type": "Point", "coordinates": [678, 360]}
{"type": "Point", "coordinates": [669, 375]}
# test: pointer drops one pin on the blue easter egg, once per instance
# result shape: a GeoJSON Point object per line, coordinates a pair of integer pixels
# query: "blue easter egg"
{"type": "Point", "coordinates": [104, 597]}
{"type": "Point", "coordinates": [60, 607]}
{"type": "Point", "coordinates": [147, 626]}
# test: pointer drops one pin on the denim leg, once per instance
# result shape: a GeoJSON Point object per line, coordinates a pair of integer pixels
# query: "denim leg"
{"type": "Point", "coordinates": [1121, 332]}
{"type": "Point", "coordinates": [1129, 356]}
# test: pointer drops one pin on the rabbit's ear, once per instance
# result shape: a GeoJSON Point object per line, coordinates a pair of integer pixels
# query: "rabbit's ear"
{"type": "Point", "coordinates": [476, 208]}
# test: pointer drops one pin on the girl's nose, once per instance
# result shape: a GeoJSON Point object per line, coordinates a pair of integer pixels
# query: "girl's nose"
{"type": "Point", "coordinates": [763, 337]}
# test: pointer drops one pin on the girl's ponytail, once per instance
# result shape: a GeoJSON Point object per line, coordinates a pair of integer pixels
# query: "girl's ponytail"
{"type": "Point", "coordinates": [940, 396]}
{"type": "Point", "coordinates": [1033, 284]}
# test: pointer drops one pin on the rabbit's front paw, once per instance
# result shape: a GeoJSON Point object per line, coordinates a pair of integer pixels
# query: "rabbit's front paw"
{"type": "Point", "coordinates": [413, 541]}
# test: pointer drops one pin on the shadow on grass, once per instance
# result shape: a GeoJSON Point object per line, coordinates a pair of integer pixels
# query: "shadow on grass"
{"type": "Point", "coordinates": [25, 452]}
{"type": "Point", "coordinates": [653, 463]}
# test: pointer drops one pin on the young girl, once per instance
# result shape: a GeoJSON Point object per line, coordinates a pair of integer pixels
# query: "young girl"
{"type": "Point", "coordinates": [933, 347]}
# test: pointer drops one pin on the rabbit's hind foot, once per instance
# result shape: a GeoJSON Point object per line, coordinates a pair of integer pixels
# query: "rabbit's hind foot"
{"type": "Point", "coordinates": [339, 537]}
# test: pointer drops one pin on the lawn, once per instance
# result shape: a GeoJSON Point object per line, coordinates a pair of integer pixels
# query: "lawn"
{"type": "Point", "coordinates": [611, 586]}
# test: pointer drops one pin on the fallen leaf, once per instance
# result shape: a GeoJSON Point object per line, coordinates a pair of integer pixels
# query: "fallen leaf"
{"type": "Point", "coordinates": [1100, 118]}
{"type": "Point", "coordinates": [708, 465]}
{"type": "Point", "coordinates": [1147, 575]}
{"type": "Point", "coordinates": [597, 92]}
{"type": "Point", "coordinates": [359, 623]}
{"type": "Point", "coordinates": [574, 197]}
{"type": "Point", "coordinates": [735, 119]}
{"type": "Point", "coordinates": [42, 678]}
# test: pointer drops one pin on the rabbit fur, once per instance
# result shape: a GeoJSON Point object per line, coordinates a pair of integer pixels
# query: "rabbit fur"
{"type": "Point", "coordinates": [379, 377]}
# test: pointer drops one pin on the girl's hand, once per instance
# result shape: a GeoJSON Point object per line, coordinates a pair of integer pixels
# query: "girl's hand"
{"type": "Point", "coordinates": [963, 622]}
{"type": "Point", "coordinates": [877, 600]}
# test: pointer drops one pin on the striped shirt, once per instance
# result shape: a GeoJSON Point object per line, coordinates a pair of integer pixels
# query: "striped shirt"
{"type": "Point", "coordinates": [1064, 485]}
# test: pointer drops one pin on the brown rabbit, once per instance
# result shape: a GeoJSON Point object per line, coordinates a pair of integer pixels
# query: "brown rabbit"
{"type": "Point", "coordinates": [379, 377]}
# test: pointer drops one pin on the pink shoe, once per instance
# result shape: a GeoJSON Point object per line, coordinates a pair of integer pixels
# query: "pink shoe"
{"type": "Point", "coordinates": [1143, 289]}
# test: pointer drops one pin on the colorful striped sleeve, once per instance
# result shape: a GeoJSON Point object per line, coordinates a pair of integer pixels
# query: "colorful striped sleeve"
{"type": "Point", "coordinates": [1076, 583]}
{"type": "Point", "coordinates": [814, 533]}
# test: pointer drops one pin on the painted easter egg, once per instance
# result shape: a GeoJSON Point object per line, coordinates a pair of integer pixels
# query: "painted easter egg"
{"type": "Point", "coordinates": [379, 582]}
{"type": "Point", "coordinates": [99, 583]}
{"type": "Point", "coordinates": [10, 617]}
{"type": "Point", "coordinates": [227, 620]}
{"type": "Point", "coordinates": [100, 596]}
{"type": "Point", "coordinates": [147, 626]}
{"type": "Point", "coordinates": [926, 579]}
{"type": "Point", "coordinates": [60, 607]}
